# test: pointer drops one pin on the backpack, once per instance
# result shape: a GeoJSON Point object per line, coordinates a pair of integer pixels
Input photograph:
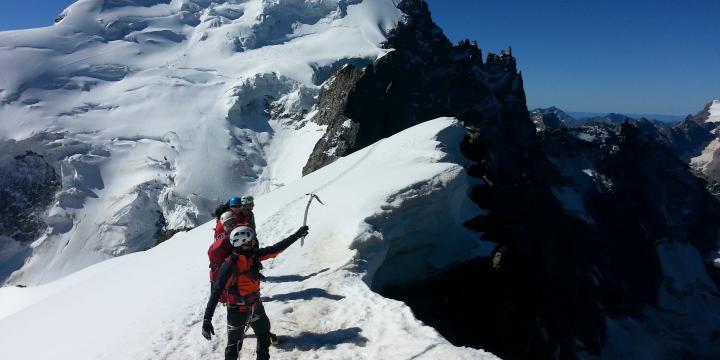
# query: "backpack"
{"type": "Point", "coordinates": [221, 247]}
{"type": "Point", "coordinates": [220, 250]}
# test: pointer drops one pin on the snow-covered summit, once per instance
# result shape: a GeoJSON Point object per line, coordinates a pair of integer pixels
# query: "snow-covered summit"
{"type": "Point", "coordinates": [714, 111]}
{"type": "Point", "coordinates": [157, 110]}
{"type": "Point", "coordinates": [317, 296]}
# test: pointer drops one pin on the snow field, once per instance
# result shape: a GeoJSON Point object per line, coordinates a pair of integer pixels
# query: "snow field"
{"type": "Point", "coordinates": [174, 93]}
{"type": "Point", "coordinates": [714, 111]}
{"type": "Point", "coordinates": [149, 305]}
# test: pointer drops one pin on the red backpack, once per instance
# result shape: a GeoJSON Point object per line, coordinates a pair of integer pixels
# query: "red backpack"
{"type": "Point", "coordinates": [218, 252]}
{"type": "Point", "coordinates": [221, 248]}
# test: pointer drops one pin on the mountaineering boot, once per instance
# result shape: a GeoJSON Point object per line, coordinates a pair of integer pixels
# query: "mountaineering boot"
{"type": "Point", "coordinates": [273, 339]}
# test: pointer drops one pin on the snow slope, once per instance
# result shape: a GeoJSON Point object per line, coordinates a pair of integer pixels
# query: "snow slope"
{"type": "Point", "coordinates": [706, 160]}
{"type": "Point", "coordinates": [148, 305]}
{"type": "Point", "coordinates": [714, 111]}
{"type": "Point", "coordinates": [165, 107]}
{"type": "Point", "coordinates": [702, 161]}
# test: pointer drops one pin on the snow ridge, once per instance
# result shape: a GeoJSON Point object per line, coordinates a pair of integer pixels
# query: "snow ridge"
{"type": "Point", "coordinates": [317, 296]}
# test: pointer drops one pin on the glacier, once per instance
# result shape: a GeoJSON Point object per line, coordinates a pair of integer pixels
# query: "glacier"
{"type": "Point", "coordinates": [153, 112]}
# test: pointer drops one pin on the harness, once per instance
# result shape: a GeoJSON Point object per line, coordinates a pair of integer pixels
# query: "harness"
{"type": "Point", "coordinates": [251, 317]}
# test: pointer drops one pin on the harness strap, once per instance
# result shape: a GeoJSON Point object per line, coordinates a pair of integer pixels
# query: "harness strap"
{"type": "Point", "coordinates": [249, 319]}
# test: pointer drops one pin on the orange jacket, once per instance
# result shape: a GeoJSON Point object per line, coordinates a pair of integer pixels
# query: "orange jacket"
{"type": "Point", "coordinates": [237, 282]}
{"type": "Point", "coordinates": [242, 277]}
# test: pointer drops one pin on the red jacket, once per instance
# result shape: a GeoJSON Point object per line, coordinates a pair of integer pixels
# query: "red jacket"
{"type": "Point", "coordinates": [240, 219]}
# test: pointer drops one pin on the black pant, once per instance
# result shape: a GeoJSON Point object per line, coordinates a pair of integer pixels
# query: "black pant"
{"type": "Point", "coordinates": [236, 321]}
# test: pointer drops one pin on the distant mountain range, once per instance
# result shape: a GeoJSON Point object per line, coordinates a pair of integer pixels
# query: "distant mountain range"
{"type": "Point", "coordinates": [659, 117]}
{"type": "Point", "coordinates": [694, 138]}
{"type": "Point", "coordinates": [575, 118]}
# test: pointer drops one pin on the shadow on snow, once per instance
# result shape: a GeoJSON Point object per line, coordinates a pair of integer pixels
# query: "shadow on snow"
{"type": "Point", "coordinates": [306, 294]}
{"type": "Point", "coordinates": [312, 341]}
{"type": "Point", "coordinates": [292, 278]}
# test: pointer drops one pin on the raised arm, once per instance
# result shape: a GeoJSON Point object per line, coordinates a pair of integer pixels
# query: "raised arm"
{"type": "Point", "coordinates": [270, 252]}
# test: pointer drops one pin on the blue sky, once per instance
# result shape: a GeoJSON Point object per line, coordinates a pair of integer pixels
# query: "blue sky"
{"type": "Point", "coordinates": [632, 56]}
{"type": "Point", "coordinates": [24, 14]}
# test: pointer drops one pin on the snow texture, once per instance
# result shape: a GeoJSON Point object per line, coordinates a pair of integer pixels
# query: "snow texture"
{"type": "Point", "coordinates": [178, 104]}
{"type": "Point", "coordinates": [149, 305]}
{"type": "Point", "coordinates": [714, 111]}
{"type": "Point", "coordinates": [707, 156]}
{"type": "Point", "coordinates": [686, 294]}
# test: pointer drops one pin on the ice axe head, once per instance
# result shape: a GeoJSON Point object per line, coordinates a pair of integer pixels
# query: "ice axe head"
{"type": "Point", "coordinates": [314, 196]}
{"type": "Point", "coordinates": [307, 207]}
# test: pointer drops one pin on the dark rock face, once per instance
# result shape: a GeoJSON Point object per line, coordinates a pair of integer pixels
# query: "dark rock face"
{"type": "Point", "coordinates": [419, 80]}
{"type": "Point", "coordinates": [701, 116]}
{"type": "Point", "coordinates": [648, 223]}
{"type": "Point", "coordinates": [341, 134]}
{"type": "Point", "coordinates": [163, 231]}
{"type": "Point", "coordinates": [695, 136]}
{"type": "Point", "coordinates": [602, 228]}
{"type": "Point", "coordinates": [611, 118]}
{"type": "Point", "coordinates": [28, 183]}
{"type": "Point", "coordinates": [690, 139]}
{"type": "Point", "coordinates": [603, 233]}
{"type": "Point", "coordinates": [687, 139]}
{"type": "Point", "coordinates": [550, 118]}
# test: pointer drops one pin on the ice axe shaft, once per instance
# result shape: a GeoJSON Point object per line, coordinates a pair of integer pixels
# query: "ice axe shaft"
{"type": "Point", "coordinates": [307, 207]}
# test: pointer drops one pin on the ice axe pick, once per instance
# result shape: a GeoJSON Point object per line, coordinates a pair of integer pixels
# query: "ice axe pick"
{"type": "Point", "coordinates": [307, 207]}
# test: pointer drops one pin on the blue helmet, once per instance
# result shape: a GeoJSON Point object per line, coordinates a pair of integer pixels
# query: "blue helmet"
{"type": "Point", "coordinates": [234, 201]}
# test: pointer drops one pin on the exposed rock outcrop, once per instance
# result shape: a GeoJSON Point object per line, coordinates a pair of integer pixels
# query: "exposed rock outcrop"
{"type": "Point", "coordinates": [603, 234]}
{"type": "Point", "coordinates": [29, 179]}
{"type": "Point", "coordinates": [604, 237]}
{"type": "Point", "coordinates": [341, 134]}
{"type": "Point", "coordinates": [695, 140]}
{"type": "Point", "coordinates": [422, 78]}
{"type": "Point", "coordinates": [550, 118]}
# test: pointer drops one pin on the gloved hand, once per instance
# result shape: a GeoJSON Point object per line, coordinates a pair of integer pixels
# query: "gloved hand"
{"type": "Point", "coordinates": [302, 231]}
{"type": "Point", "coordinates": [207, 329]}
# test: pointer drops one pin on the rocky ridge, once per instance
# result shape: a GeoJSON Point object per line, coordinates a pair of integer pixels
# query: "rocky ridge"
{"type": "Point", "coordinates": [591, 224]}
{"type": "Point", "coordinates": [413, 83]}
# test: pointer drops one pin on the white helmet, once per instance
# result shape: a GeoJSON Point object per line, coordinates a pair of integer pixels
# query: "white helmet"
{"type": "Point", "coordinates": [241, 235]}
{"type": "Point", "coordinates": [247, 199]}
{"type": "Point", "coordinates": [226, 217]}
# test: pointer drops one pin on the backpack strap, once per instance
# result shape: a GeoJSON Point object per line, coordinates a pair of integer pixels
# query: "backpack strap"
{"type": "Point", "coordinates": [230, 287]}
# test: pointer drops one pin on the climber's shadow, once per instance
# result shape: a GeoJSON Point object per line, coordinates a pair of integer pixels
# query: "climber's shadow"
{"type": "Point", "coordinates": [312, 341]}
{"type": "Point", "coordinates": [292, 278]}
{"type": "Point", "coordinates": [306, 294]}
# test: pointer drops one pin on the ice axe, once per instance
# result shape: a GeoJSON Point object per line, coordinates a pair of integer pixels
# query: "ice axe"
{"type": "Point", "coordinates": [307, 207]}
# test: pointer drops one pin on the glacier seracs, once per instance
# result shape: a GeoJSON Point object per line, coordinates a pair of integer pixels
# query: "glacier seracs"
{"type": "Point", "coordinates": [166, 107]}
